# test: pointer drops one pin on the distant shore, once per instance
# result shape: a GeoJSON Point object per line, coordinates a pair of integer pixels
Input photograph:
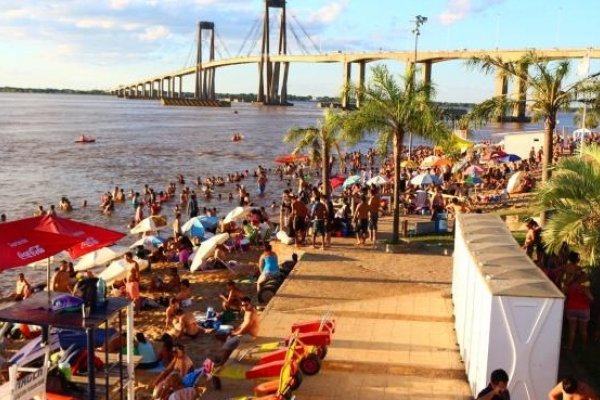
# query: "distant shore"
{"type": "Point", "coordinates": [7, 89]}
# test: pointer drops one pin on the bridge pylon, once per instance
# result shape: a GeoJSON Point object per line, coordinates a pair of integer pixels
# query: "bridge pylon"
{"type": "Point", "coordinates": [205, 77]}
{"type": "Point", "coordinates": [273, 90]}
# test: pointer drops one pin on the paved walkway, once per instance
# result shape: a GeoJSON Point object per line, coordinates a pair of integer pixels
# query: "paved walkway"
{"type": "Point", "coordinates": [394, 337]}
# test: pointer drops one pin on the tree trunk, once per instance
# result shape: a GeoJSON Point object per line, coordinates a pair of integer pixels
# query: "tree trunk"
{"type": "Point", "coordinates": [396, 200]}
{"type": "Point", "coordinates": [325, 169]}
{"type": "Point", "coordinates": [549, 125]}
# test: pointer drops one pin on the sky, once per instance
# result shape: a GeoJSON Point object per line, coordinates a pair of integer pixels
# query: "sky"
{"type": "Point", "coordinates": [100, 44]}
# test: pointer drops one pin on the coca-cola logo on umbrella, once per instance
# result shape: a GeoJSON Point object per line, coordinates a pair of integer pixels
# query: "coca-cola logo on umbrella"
{"type": "Point", "coordinates": [19, 242]}
{"type": "Point", "coordinates": [31, 252]}
{"type": "Point", "coordinates": [89, 242]}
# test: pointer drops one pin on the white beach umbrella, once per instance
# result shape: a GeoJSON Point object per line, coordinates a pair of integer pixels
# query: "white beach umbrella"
{"type": "Point", "coordinates": [429, 162]}
{"type": "Point", "coordinates": [377, 180]}
{"type": "Point", "coordinates": [425, 179]}
{"type": "Point", "coordinates": [235, 214]}
{"type": "Point", "coordinates": [206, 249]}
{"type": "Point", "coordinates": [148, 241]}
{"type": "Point", "coordinates": [150, 224]}
{"type": "Point", "coordinates": [514, 181]}
{"type": "Point", "coordinates": [118, 269]}
{"type": "Point", "coordinates": [99, 257]}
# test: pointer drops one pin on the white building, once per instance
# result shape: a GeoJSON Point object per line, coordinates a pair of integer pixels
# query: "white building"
{"type": "Point", "coordinates": [520, 143]}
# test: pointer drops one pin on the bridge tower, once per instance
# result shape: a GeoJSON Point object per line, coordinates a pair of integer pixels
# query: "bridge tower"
{"type": "Point", "coordinates": [274, 90]}
{"type": "Point", "coordinates": [205, 77]}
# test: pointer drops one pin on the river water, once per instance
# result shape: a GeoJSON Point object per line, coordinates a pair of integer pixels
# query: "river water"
{"type": "Point", "coordinates": [138, 142]}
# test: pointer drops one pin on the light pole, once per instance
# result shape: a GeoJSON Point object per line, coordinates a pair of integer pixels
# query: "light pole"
{"type": "Point", "coordinates": [419, 21]}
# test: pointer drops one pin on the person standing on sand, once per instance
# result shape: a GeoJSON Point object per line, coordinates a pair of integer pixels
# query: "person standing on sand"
{"type": "Point", "coordinates": [319, 217]}
{"type": "Point", "coordinates": [361, 220]}
{"type": "Point", "coordinates": [374, 204]}
{"type": "Point", "coordinates": [571, 389]}
{"type": "Point", "coordinates": [298, 216]}
{"type": "Point", "coordinates": [133, 280]}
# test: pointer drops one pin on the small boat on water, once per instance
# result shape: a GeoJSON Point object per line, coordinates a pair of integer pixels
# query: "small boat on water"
{"type": "Point", "coordinates": [237, 137]}
{"type": "Point", "coordinates": [85, 139]}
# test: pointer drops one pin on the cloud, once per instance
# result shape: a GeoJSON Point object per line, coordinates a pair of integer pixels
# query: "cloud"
{"type": "Point", "coordinates": [457, 10]}
{"type": "Point", "coordinates": [155, 33]}
{"type": "Point", "coordinates": [120, 4]}
{"type": "Point", "coordinates": [329, 12]}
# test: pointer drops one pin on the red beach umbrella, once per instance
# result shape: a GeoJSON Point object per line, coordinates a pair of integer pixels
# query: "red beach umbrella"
{"type": "Point", "coordinates": [337, 181]}
{"type": "Point", "coordinates": [89, 237]}
{"type": "Point", "coordinates": [21, 243]}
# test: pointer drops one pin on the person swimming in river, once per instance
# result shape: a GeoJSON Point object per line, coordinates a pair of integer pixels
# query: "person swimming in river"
{"type": "Point", "coordinates": [236, 137]}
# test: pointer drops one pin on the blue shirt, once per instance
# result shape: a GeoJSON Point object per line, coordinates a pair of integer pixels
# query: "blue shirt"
{"type": "Point", "coordinates": [271, 266]}
{"type": "Point", "coordinates": [147, 352]}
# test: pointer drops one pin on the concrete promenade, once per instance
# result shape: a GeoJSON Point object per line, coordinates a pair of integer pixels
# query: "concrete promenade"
{"type": "Point", "coordinates": [394, 337]}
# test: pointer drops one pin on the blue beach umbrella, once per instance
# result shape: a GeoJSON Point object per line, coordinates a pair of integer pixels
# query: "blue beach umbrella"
{"type": "Point", "coordinates": [209, 223]}
{"type": "Point", "coordinates": [425, 179]}
{"type": "Point", "coordinates": [511, 158]}
{"type": "Point", "coordinates": [351, 180]}
{"type": "Point", "coordinates": [194, 228]}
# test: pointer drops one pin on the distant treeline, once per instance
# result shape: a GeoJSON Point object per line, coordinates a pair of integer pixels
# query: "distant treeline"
{"type": "Point", "coordinates": [7, 89]}
{"type": "Point", "coordinates": [242, 97]}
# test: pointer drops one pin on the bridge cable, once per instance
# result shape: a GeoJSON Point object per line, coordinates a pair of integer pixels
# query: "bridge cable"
{"type": "Point", "coordinates": [222, 44]}
{"type": "Point", "coordinates": [306, 34]}
{"type": "Point", "coordinates": [298, 41]}
{"type": "Point", "coordinates": [257, 37]}
{"type": "Point", "coordinates": [248, 35]}
{"type": "Point", "coordinates": [188, 60]}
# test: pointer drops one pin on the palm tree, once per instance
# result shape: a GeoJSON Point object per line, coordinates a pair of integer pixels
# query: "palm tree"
{"type": "Point", "coordinates": [573, 195]}
{"type": "Point", "coordinates": [391, 109]}
{"type": "Point", "coordinates": [320, 141]}
{"type": "Point", "coordinates": [592, 118]}
{"type": "Point", "coordinates": [548, 89]}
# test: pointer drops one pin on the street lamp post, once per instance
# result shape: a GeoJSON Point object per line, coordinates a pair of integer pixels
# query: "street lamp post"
{"type": "Point", "coordinates": [419, 21]}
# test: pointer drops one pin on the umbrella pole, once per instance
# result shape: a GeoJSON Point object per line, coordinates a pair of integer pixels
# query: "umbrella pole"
{"type": "Point", "coordinates": [48, 281]}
